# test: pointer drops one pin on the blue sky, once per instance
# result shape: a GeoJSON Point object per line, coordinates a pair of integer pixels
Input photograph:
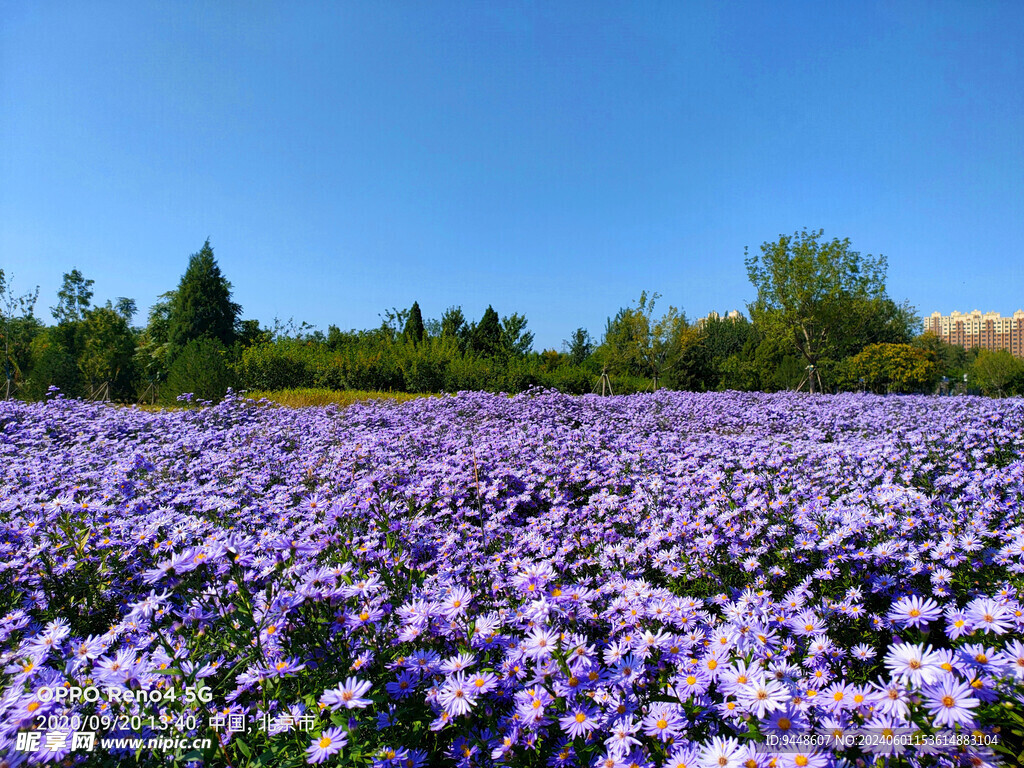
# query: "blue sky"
{"type": "Point", "coordinates": [552, 159]}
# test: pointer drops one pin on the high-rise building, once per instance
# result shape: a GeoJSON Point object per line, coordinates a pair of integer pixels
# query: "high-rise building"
{"type": "Point", "coordinates": [732, 314]}
{"type": "Point", "coordinates": [985, 331]}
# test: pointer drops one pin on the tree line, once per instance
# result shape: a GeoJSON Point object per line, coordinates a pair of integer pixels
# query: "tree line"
{"type": "Point", "coordinates": [822, 321]}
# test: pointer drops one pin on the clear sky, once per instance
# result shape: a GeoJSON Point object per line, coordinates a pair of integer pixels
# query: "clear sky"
{"type": "Point", "coordinates": [549, 158]}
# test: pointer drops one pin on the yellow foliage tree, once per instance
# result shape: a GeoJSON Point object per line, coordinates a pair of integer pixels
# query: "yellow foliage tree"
{"type": "Point", "coordinates": [885, 368]}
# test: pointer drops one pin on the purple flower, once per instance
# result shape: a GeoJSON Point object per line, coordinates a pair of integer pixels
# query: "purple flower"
{"type": "Point", "coordinates": [348, 695]}
{"type": "Point", "coordinates": [914, 611]}
{"type": "Point", "coordinates": [863, 652]}
{"type": "Point", "coordinates": [328, 743]}
{"type": "Point", "coordinates": [663, 722]}
{"type": "Point", "coordinates": [916, 664]}
{"type": "Point", "coordinates": [988, 615]}
{"type": "Point", "coordinates": [721, 753]}
{"type": "Point", "coordinates": [457, 695]}
{"type": "Point", "coordinates": [762, 695]}
{"type": "Point", "coordinates": [456, 602]}
{"type": "Point", "coordinates": [403, 686]}
{"type": "Point", "coordinates": [540, 643]}
{"type": "Point", "coordinates": [958, 623]}
{"type": "Point", "coordinates": [623, 738]}
{"type": "Point", "coordinates": [579, 721]}
{"type": "Point", "coordinates": [513, 568]}
{"type": "Point", "coordinates": [1012, 657]}
{"type": "Point", "coordinates": [950, 702]}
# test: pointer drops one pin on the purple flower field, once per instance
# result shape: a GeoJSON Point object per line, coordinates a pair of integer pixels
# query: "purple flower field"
{"type": "Point", "coordinates": [668, 580]}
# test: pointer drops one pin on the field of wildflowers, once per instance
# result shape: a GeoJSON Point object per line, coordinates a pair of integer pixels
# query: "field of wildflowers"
{"type": "Point", "coordinates": [670, 579]}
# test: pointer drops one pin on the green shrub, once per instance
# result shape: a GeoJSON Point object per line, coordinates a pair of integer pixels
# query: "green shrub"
{"type": "Point", "coordinates": [570, 379]}
{"type": "Point", "coordinates": [55, 363]}
{"type": "Point", "coordinates": [884, 368]}
{"type": "Point", "coordinates": [201, 367]}
{"type": "Point", "coordinates": [273, 366]}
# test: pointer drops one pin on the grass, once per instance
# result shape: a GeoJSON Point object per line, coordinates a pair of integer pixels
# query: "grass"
{"type": "Point", "coordinates": [298, 398]}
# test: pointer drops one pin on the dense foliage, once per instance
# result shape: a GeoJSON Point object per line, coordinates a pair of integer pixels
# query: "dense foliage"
{"type": "Point", "coordinates": [201, 307]}
{"type": "Point", "coordinates": [656, 580]}
{"type": "Point", "coordinates": [825, 299]}
{"type": "Point", "coordinates": [821, 320]}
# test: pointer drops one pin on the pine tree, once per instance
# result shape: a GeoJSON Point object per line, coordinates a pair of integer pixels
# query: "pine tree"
{"type": "Point", "coordinates": [414, 329]}
{"type": "Point", "coordinates": [202, 306]}
{"type": "Point", "coordinates": [485, 338]}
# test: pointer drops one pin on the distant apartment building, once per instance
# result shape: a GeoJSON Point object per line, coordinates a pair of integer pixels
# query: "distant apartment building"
{"type": "Point", "coordinates": [733, 314]}
{"type": "Point", "coordinates": [985, 331]}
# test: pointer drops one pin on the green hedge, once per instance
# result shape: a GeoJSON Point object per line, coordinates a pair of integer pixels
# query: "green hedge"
{"type": "Point", "coordinates": [432, 365]}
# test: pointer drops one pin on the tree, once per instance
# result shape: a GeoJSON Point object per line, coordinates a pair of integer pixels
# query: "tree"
{"type": "Point", "coordinates": [885, 368]}
{"type": "Point", "coordinates": [485, 336]}
{"type": "Point", "coordinates": [250, 332]}
{"type": "Point", "coordinates": [579, 346]}
{"type": "Point", "coordinates": [73, 298]}
{"type": "Point", "coordinates": [414, 330]}
{"type": "Point", "coordinates": [392, 322]}
{"type": "Point", "coordinates": [867, 321]}
{"type": "Point", "coordinates": [18, 326]}
{"type": "Point", "coordinates": [997, 373]}
{"type": "Point", "coordinates": [637, 344]}
{"type": "Point", "coordinates": [296, 331]}
{"type": "Point", "coordinates": [951, 358]}
{"type": "Point", "coordinates": [55, 355]}
{"type": "Point", "coordinates": [126, 308]}
{"type": "Point", "coordinates": [201, 368]}
{"type": "Point", "coordinates": [703, 364]}
{"type": "Point", "coordinates": [152, 355]}
{"type": "Point", "coordinates": [516, 341]}
{"type": "Point", "coordinates": [336, 339]}
{"type": "Point", "coordinates": [106, 361]}
{"type": "Point", "coordinates": [550, 360]}
{"type": "Point", "coordinates": [432, 327]}
{"type": "Point", "coordinates": [453, 326]}
{"type": "Point", "coordinates": [620, 347]}
{"type": "Point", "coordinates": [806, 289]}
{"type": "Point", "coordinates": [202, 305]}
{"type": "Point", "coordinates": [768, 362]}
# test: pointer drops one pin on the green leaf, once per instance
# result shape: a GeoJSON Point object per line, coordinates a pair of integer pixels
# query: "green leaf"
{"type": "Point", "coordinates": [244, 748]}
